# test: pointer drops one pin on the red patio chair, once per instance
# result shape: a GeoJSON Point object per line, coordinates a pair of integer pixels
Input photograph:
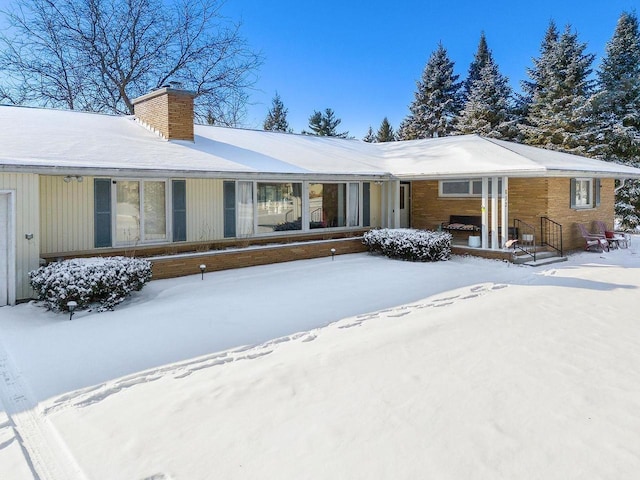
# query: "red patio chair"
{"type": "Point", "coordinates": [593, 240]}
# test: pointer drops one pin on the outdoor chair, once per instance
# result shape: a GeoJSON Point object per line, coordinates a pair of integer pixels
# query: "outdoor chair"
{"type": "Point", "coordinates": [593, 240]}
{"type": "Point", "coordinates": [615, 239]}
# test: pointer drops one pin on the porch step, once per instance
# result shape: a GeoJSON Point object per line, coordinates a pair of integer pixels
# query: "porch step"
{"type": "Point", "coordinates": [543, 257]}
{"type": "Point", "coordinates": [544, 261]}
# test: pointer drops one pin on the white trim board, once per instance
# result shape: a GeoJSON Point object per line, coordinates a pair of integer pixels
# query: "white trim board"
{"type": "Point", "coordinates": [9, 231]}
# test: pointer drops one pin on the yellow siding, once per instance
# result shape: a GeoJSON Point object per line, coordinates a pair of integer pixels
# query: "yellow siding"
{"type": "Point", "coordinates": [66, 221]}
{"type": "Point", "coordinates": [205, 219]}
{"type": "Point", "coordinates": [25, 187]}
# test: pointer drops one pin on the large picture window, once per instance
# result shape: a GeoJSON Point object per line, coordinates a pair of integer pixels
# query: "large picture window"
{"type": "Point", "coordinates": [255, 208]}
{"type": "Point", "coordinates": [327, 205]}
{"type": "Point", "coordinates": [141, 211]}
{"type": "Point", "coordinates": [279, 207]}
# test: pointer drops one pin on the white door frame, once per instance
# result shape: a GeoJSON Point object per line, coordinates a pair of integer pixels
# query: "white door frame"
{"type": "Point", "coordinates": [11, 246]}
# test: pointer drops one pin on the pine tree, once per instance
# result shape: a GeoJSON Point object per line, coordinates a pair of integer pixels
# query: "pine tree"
{"type": "Point", "coordinates": [325, 124]}
{"type": "Point", "coordinates": [481, 58]}
{"type": "Point", "coordinates": [276, 120]}
{"type": "Point", "coordinates": [541, 71]}
{"type": "Point", "coordinates": [488, 109]}
{"type": "Point", "coordinates": [385, 132]}
{"type": "Point", "coordinates": [436, 102]}
{"type": "Point", "coordinates": [369, 137]}
{"type": "Point", "coordinates": [617, 109]}
{"type": "Point", "coordinates": [558, 107]}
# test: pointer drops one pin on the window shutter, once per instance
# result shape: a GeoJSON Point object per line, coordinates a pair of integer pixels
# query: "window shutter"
{"type": "Point", "coordinates": [366, 204]}
{"type": "Point", "coordinates": [229, 200]}
{"type": "Point", "coordinates": [179, 204]}
{"type": "Point", "coordinates": [596, 188]}
{"type": "Point", "coordinates": [102, 212]}
{"type": "Point", "coordinates": [573, 193]}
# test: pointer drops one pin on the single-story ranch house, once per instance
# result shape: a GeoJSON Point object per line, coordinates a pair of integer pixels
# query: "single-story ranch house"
{"type": "Point", "coordinates": [81, 184]}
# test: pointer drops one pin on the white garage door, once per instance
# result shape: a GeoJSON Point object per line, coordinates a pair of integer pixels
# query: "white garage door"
{"type": "Point", "coordinates": [4, 249]}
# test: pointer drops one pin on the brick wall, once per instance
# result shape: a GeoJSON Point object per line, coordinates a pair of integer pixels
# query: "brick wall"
{"type": "Point", "coordinates": [167, 111]}
{"type": "Point", "coordinates": [177, 266]}
{"type": "Point", "coordinates": [529, 199]}
{"type": "Point", "coordinates": [428, 210]}
{"type": "Point", "coordinates": [560, 210]}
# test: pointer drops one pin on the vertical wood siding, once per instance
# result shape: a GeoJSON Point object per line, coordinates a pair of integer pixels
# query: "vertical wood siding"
{"type": "Point", "coordinates": [204, 210]}
{"type": "Point", "coordinates": [66, 220]}
{"type": "Point", "coordinates": [27, 206]}
{"type": "Point", "coordinates": [375, 205]}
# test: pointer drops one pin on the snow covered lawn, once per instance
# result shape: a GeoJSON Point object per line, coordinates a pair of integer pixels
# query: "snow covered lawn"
{"type": "Point", "coordinates": [358, 368]}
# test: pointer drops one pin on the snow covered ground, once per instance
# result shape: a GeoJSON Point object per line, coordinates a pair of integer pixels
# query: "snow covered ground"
{"type": "Point", "coordinates": [358, 368]}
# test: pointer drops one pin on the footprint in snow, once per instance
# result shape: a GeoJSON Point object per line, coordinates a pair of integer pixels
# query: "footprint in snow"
{"type": "Point", "coordinates": [401, 314]}
{"type": "Point", "coordinates": [443, 304]}
{"type": "Point", "coordinates": [446, 299]}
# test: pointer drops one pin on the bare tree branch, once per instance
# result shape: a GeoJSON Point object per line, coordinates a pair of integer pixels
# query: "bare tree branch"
{"type": "Point", "coordinates": [98, 55]}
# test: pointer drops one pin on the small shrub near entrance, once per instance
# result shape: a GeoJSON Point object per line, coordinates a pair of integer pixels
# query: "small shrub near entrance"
{"type": "Point", "coordinates": [407, 244]}
{"type": "Point", "coordinates": [103, 282]}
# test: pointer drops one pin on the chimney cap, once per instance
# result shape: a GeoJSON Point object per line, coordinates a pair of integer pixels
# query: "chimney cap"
{"type": "Point", "coordinates": [160, 91]}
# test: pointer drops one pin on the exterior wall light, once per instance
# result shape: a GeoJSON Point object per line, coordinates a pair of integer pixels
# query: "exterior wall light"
{"type": "Point", "coordinates": [69, 178]}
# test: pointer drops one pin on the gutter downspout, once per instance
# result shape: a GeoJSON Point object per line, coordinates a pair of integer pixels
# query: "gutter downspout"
{"type": "Point", "coordinates": [621, 186]}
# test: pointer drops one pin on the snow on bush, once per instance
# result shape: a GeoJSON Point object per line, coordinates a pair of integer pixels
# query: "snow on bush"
{"type": "Point", "coordinates": [87, 281]}
{"type": "Point", "coordinates": [407, 244]}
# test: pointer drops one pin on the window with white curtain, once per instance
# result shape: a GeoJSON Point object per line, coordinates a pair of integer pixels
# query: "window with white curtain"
{"type": "Point", "coordinates": [353, 219]}
{"type": "Point", "coordinates": [244, 225]}
{"type": "Point", "coordinates": [141, 211]}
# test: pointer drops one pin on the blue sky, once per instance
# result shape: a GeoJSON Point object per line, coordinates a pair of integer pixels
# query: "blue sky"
{"type": "Point", "coordinates": [362, 59]}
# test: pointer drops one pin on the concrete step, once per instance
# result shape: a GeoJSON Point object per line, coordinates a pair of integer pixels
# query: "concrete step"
{"type": "Point", "coordinates": [544, 261]}
{"type": "Point", "coordinates": [543, 257]}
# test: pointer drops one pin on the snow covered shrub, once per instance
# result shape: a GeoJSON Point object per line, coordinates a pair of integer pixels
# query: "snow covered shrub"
{"type": "Point", "coordinates": [407, 244]}
{"type": "Point", "coordinates": [102, 281]}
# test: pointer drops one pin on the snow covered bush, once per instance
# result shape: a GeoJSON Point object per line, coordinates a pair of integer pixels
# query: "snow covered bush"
{"type": "Point", "coordinates": [88, 281]}
{"type": "Point", "coordinates": [407, 244]}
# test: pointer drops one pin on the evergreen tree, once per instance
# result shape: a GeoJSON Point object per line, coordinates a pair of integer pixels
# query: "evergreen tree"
{"type": "Point", "coordinates": [617, 109]}
{"type": "Point", "coordinates": [436, 102]}
{"type": "Point", "coordinates": [558, 109]}
{"type": "Point", "coordinates": [325, 124]}
{"type": "Point", "coordinates": [276, 120]}
{"type": "Point", "coordinates": [369, 137]}
{"type": "Point", "coordinates": [480, 59]}
{"type": "Point", "coordinates": [385, 132]}
{"type": "Point", "coordinates": [540, 72]}
{"type": "Point", "coordinates": [488, 109]}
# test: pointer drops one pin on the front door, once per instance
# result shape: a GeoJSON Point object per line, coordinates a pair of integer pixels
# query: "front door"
{"type": "Point", "coordinates": [405, 219]}
{"type": "Point", "coordinates": [4, 250]}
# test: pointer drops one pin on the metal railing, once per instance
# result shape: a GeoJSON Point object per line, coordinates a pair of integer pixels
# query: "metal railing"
{"type": "Point", "coordinates": [526, 238]}
{"type": "Point", "coordinates": [551, 234]}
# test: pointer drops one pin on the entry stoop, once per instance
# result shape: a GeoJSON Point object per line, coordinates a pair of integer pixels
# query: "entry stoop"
{"type": "Point", "coordinates": [543, 257]}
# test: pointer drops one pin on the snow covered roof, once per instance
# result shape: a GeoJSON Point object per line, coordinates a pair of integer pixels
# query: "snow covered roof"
{"type": "Point", "coordinates": [43, 140]}
{"type": "Point", "coordinates": [62, 142]}
{"type": "Point", "coordinates": [472, 155]}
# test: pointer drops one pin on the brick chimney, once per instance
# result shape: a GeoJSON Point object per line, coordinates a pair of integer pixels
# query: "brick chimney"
{"type": "Point", "coordinates": [167, 111]}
